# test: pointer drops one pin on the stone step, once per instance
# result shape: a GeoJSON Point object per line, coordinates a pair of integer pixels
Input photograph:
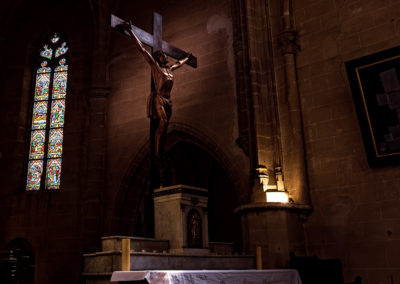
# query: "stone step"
{"type": "Point", "coordinates": [221, 247]}
{"type": "Point", "coordinates": [114, 243]}
{"type": "Point", "coordinates": [107, 262]}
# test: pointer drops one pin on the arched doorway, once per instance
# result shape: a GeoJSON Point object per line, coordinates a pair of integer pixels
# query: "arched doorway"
{"type": "Point", "coordinates": [192, 164]}
{"type": "Point", "coordinates": [17, 263]}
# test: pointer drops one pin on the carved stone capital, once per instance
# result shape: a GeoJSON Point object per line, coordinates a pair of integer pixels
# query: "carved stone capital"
{"type": "Point", "coordinates": [287, 42]}
{"type": "Point", "coordinates": [302, 210]}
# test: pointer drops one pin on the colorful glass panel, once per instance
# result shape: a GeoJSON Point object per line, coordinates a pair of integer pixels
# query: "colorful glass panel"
{"type": "Point", "coordinates": [53, 174]}
{"type": "Point", "coordinates": [62, 66]}
{"type": "Point", "coordinates": [48, 162]}
{"type": "Point", "coordinates": [42, 86]}
{"type": "Point", "coordinates": [61, 50]}
{"type": "Point", "coordinates": [39, 115]}
{"type": "Point", "coordinates": [44, 68]}
{"type": "Point", "coordinates": [46, 52]}
{"type": "Point", "coordinates": [55, 143]}
{"type": "Point", "coordinates": [37, 144]}
{"type": "Point", "coordinates": [57, 113]}
{"type": "Point", "coordinates": [35, 170]}
{"type": "Point", "coordinates": [55, 38]}
{"type": "Point", "coordinates": [60, 85]}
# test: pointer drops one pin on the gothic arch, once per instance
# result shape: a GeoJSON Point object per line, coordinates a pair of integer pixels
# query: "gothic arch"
{"type": "Point", "coordinates": [180, 138]}
{"type": "Point", "coordinates": [181, 131]}
{"type": "Point", "coordinates": [20, 257]}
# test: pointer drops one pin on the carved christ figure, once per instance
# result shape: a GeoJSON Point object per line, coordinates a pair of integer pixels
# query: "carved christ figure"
{"type": "Point", "coordinates": [159, 104]}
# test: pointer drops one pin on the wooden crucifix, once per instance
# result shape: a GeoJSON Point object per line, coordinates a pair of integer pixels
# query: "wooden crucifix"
{"type": "Point", "coordinates": [155, 40]}
{"type": "Point", "coordinates": [159, 104]}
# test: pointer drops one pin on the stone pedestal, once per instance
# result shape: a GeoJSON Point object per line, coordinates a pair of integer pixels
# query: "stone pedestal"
{"type": "Point", "coordinates": [180, 216]}
{"type": "Point", "coordinates": [275, 227]}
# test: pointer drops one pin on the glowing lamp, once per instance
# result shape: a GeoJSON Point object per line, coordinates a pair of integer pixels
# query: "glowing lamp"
{"type": "Point", "coordinates": [277, 196]}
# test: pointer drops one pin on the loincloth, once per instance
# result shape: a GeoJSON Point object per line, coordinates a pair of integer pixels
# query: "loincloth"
{"type": "Point", "coordinates": [151, 104]}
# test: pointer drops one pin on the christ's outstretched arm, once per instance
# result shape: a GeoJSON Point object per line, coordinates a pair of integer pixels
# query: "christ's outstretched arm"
{"type": "Point", "coordinates": [179, 63]}
{"type": "Point", "coordinates": [139, 44]}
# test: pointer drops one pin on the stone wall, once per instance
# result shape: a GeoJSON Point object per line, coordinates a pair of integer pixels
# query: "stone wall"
{"type": "Point", "coordinates": [356, 216]}
{"type": "Point", "coordinates": [48, 221]}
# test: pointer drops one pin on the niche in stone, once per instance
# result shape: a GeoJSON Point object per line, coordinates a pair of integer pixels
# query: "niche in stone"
{"type": "Point", "coordinates": [194, 229]}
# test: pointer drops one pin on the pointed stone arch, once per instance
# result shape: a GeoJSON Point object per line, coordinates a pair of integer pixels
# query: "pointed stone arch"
{"type": "Point", "coordinates": [17, 262]}
{"type": "Point", "coordinates": [128, 213]}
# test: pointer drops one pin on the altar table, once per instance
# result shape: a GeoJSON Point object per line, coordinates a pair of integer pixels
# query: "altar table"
{"type": "Point", "coordinates": [281, 276]}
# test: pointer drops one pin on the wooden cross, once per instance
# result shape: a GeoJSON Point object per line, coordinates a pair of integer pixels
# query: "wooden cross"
{"type": "Point", "coordinates": [154, 40]}
{"type": "Point", "coordinates": [156, 43]}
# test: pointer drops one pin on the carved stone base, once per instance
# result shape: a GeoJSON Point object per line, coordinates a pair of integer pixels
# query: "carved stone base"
{"type": "Point", "coordinates": [276, 228]}
{"type": "Point", "coordinates": [180, 216]}
{"type": "Point", "coordinates": [190, 251]}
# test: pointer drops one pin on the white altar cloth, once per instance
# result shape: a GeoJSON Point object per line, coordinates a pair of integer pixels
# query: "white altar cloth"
{"type": "Point", "coordinates": [281, 276]}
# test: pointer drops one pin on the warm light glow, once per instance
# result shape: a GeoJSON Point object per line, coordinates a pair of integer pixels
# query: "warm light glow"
{"type": "Point", "coordinates": [277, 196]}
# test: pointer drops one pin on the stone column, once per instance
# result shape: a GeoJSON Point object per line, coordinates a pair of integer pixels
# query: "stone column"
{"type": "Point", "coordinates": [290, 116]}
{"type": "Point", "coordinates": [96, 133]}
{"type": "Point", "coordinates": [274, 131]}
{"type": "Point", "coordinates": [255, 90]}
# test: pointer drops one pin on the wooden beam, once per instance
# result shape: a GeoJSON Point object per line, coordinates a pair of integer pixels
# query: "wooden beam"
{"type": "Point", "coordinates": [149, 40]}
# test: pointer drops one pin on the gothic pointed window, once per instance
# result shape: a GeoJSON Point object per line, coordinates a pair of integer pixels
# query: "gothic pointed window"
{"type": "Point", "coordinates": [47, 128]}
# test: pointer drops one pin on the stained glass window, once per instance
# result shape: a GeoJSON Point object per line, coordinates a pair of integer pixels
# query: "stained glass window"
{"type": "Point", "coordinates": [35, 169]}
{"type": "Point", "coordinates": [46, 52]}
{"type": "Point", "coordinates": [55, 143]}
{"type": "Point", "coordinates": [53, 173]}
{"type": "Point", "coordinates": [60, 81]}
{"type": "Point", "coordinates": [42, 82]}
{"type": "Point", "coordinates": [55, 38]}
{"type": "Point", "coordinates": [57, 113]}
{"type": "Point", "coordinates": [62, 50]}
{"type": "Point", "coordinates": [39, 115]}
{"type": "Point", "coordinates": [47, 130]}
{"type": "Point", "coordinates": [37, 144]}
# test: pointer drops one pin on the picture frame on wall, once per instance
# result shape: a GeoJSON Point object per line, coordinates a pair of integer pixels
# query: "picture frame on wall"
{"type": "Point", "coordinates": [375, 86]}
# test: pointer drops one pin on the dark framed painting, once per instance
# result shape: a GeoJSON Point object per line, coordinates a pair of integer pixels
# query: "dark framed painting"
{"type": "Point", "coordinates": [375, 85]}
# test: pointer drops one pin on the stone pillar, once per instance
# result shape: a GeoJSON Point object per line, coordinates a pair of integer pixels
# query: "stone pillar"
{"type": "Point", "coordinates": [96, 133]}
{"type": "Point", "coordinates": [273, 135]}
{"type": "Point", "coordinates": [290, 115]}
{"type": "Point", "coordinates": [256, 94]}
{"type": "Point", "coordinates": [174, 207]}
{"type": "Point", "coordinates": [96, 164]}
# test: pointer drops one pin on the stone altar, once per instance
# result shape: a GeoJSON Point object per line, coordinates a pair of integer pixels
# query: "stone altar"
{"type": "Point", "coordinates": [181, 240]}
{"type": "Point", "coordinates": [152, 254]}
{"type": "Point", "coordinates": [287, 276]}
{"type": "Point", "coordinates": [180, 215]}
